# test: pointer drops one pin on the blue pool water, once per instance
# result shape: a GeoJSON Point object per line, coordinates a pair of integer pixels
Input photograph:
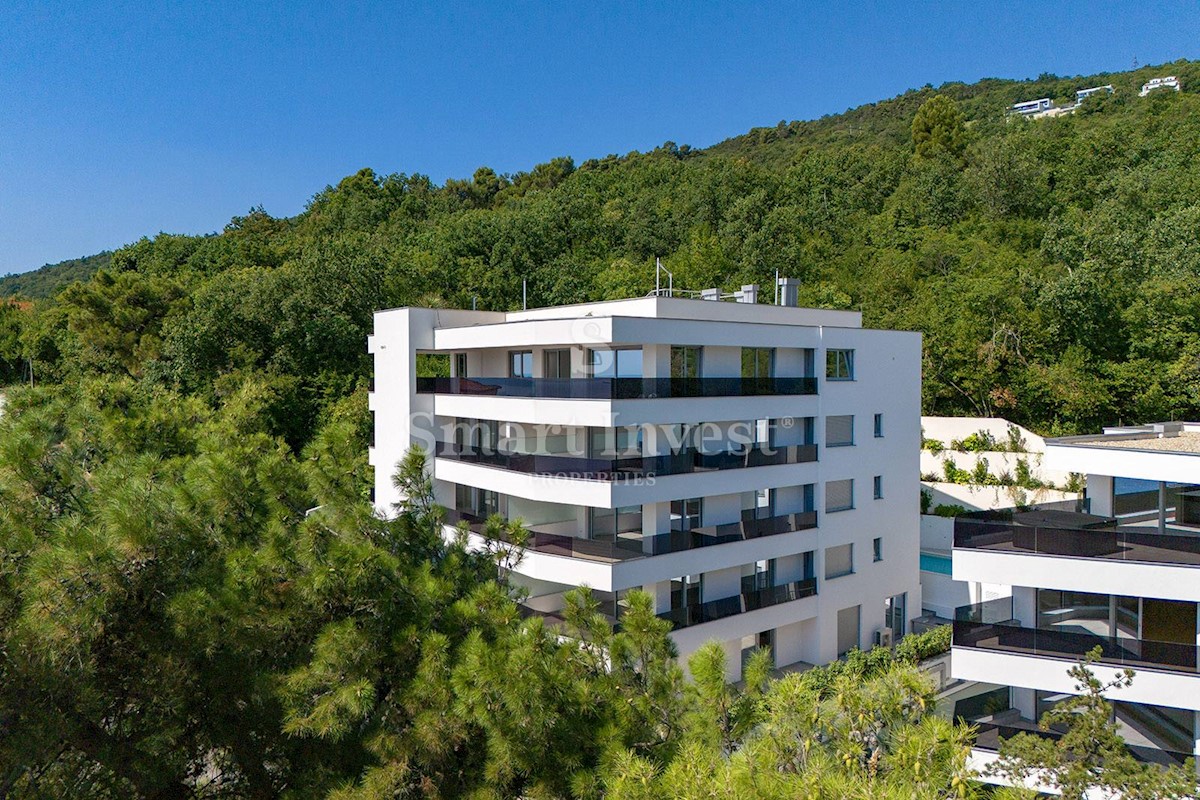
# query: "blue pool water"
{"type": "Point", "coordinates": [935, 563]}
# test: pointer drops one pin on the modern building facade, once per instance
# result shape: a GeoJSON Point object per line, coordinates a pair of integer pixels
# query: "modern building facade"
{"type": "Point", "coordinates": [1120, 572]}
{"type": "Point", "coordinates": [753, 467]}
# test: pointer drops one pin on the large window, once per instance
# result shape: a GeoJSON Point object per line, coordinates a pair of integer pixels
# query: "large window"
{"type": "Point", "coordinates": [839, 495]}
{"type": "Point", "coordinates": [839, 365]}
{"type": "Point", "coordinates": [839, 561]}
{"type": "Point", "coordinates": [839, 430]}
{"type": "Point", "coordinates": [895, 612]}
{"type": "Point", "coordinates": [460, 365]}
{"type": "Point", "coordinates": [520, 364]}
{"type": "Point", "coordinates": [558, 364]}
{"type": "Point", "coordinates": [685, 362]}
{"type": "Point", "coordinates": [686, 514]}
{"type": "Point", "coordinates": [626, 363]}
{"type": "Point", "coordinates": [608, 524]}
{"type": "Point", "coordinates": [758, 362]}
{"type": "Point", "coordinates": [848, 629]}
{"type": "Point", "coordinates": [477, 502]}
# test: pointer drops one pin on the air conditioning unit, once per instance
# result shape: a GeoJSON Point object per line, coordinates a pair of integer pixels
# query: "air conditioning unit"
{"type": "Point", "coordinates": [883, 637]}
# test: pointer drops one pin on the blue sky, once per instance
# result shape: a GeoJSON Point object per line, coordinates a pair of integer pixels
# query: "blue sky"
{"type": "Point", "coordinates": [118, 120]}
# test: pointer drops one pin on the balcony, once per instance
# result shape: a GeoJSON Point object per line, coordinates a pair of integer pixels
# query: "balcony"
{"type": "Point", "coordinates": [617, 388]}
{"type": "Point", "coordinates": [1076, 535]}
{"type": "Point", "coordinates": [989, 734]}
{"type": "Point", "coordinates": [724, 607]}
{"type": "Point", "coordinates": [626, 468]}
{"type": "Point", "coordinates": [624, 549]}
{"type": "Point", "coordinates": [989, 626]}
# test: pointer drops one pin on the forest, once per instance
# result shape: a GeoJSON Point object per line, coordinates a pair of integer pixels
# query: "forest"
{"type": "Point", "coordinates": [196, 599]}
{"type": "Point", "coordinates": [1052, 264]}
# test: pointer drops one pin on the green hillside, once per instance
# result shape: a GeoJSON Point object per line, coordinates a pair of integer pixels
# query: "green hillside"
{"type": "Point", "coordinates": [1052, 265]}
{"type": "Point", "coordinates": [46, 281]}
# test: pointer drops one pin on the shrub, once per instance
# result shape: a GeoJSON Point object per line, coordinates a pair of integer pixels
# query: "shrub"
{"type": "Point", "coordinates": [949, 509]}
{"type": "Point", "coordinates": [926, 500]}
{"type": "Point", "coordinates": [920, 646]}
{"type": "Point", "coordinates": [977, 442]}
{"type": "Point", "coordinates": [1016, 441]}
{"type": "Point", "coordinates": [954, 474]}
{"type": "Point", "coordinates": [934, 446]}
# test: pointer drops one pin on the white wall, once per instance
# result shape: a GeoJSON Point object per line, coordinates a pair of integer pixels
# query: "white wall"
{"type": "Point", "coordinates": [947, 429]}
{"type": "Point", "coordinates": [980, 498]}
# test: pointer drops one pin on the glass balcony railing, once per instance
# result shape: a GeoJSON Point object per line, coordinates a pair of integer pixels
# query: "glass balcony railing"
{"type": "Point", "coordinates": [617, 388]}
{"type": "Point", "coordinates": [626, 468]}
{"type": "Point", "coordinates": [725, 607]}
{"type": "Point", "coordinates": [989, 735]}
{"type": "Point", "coordinates": [1098, 538]}
{"type": "Point", "coordinates": [627, 548]}
{"type": "Point", "coordinates": [984, 626]}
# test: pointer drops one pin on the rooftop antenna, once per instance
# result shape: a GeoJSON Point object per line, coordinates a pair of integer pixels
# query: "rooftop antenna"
{"type": "Point", "coordinates": [776, 287]}
{"type": "Point", "coordinates": [524, 295]}
{"type": "Point", "coordinates": [659, 269]}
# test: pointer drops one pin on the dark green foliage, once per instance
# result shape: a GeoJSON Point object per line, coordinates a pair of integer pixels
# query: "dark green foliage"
{"type": "Point", "coordinates": [1050, 264]}
{"type": "Point", "coordinates": [46, 281]}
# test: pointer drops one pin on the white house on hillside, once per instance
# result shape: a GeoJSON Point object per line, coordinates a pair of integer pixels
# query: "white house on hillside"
{"type": "Point", "coordinates": [752, 467]}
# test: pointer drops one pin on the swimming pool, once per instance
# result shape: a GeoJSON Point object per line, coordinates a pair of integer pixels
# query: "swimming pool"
{"type": "Point", "coordinates": [931, 562]}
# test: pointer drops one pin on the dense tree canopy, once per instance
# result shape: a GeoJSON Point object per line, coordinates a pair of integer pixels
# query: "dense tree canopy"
{"type": "Point", "coordinates": [1052, 265]}
{"type": "Point", "coordinates": [196, 599]}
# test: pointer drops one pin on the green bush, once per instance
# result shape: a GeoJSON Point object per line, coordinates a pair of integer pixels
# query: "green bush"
{"type": "Point", "coordinates": [926, 500]}
{"type": "Point", "coordinates": [949, 509]}
{"type": "Point", "coordinates": [935, 446]}
{"type": "Point", "coordinates": [978, 442]}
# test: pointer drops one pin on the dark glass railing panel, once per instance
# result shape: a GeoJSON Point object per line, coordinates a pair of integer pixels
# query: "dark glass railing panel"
{"type": "Point", "coordinates": [1009, 636]}
{"type": "Point", "coordinates": [617, 388]}
{"type": "Point", "coordinates": [746, 601]}
{"type": "Point", "coordinates": [613, 469]}
{"type": "Point", "coordinates": [1120, 543]}
{"type": "Point", "coordinates": [623, 549]}
{"type": "Point", "coordinates": [988, 736]}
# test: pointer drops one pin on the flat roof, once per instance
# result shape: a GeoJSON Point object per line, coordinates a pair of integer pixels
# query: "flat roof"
{"type": "Point", "coordinates": [1164, 437]}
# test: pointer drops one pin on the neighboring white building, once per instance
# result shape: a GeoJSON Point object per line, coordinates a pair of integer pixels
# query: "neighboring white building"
{"type": "Point", "coordinates": [753, 467]}
{"type": "Point", "coordinates": [1121, 572]}
{"type": "Point", "coordinates": [1154, 84]}
{"type": "Point", "coordinates": [1032, 107]}
{"type": "Point", "coordinates": [1083, 94]}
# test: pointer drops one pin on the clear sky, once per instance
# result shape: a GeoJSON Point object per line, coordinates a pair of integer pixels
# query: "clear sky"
{"type": "Point", "coordinates": [118, 120]}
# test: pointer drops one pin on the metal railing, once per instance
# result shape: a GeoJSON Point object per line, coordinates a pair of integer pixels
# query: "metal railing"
{"type": "Point", "coordinates": [617, 388]}
{"type": "Point", "coordinates": [721, 608]}
{"type": "Point", "coordinates": [626, 468]}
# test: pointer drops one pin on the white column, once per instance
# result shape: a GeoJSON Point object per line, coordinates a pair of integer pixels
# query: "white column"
{"type": "Point", "coordinates": [1162, 507]}
{"type": "Point", "coordinates": [1024, 701]}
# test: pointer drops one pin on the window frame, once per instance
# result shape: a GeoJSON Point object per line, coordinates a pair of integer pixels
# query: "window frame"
{"type": "Point", "coordinates": [877, 549]}
{"type": "Point", "coordinates": [879, 426]}
{"type": "Point", "coordinates": [555, 354]}
{"type": "Point", "coordinates": [841, 357]}
{"type": "Point", "coordinates": [850, 441]}
{"type": "Point", "coordinates": [877, 486]}
{"type": "Point", "coordinates": [850, 571]}
{"type": "Point", "coordinates": [839, 509]}
{"type": "Point", "coordinates": [512, 364]}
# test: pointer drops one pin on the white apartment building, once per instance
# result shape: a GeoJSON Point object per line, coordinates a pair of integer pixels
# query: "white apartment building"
{"type": "Point", "coordinates": [1120, 572]}
{"type": "Point", "coordinates": [753, 467]}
